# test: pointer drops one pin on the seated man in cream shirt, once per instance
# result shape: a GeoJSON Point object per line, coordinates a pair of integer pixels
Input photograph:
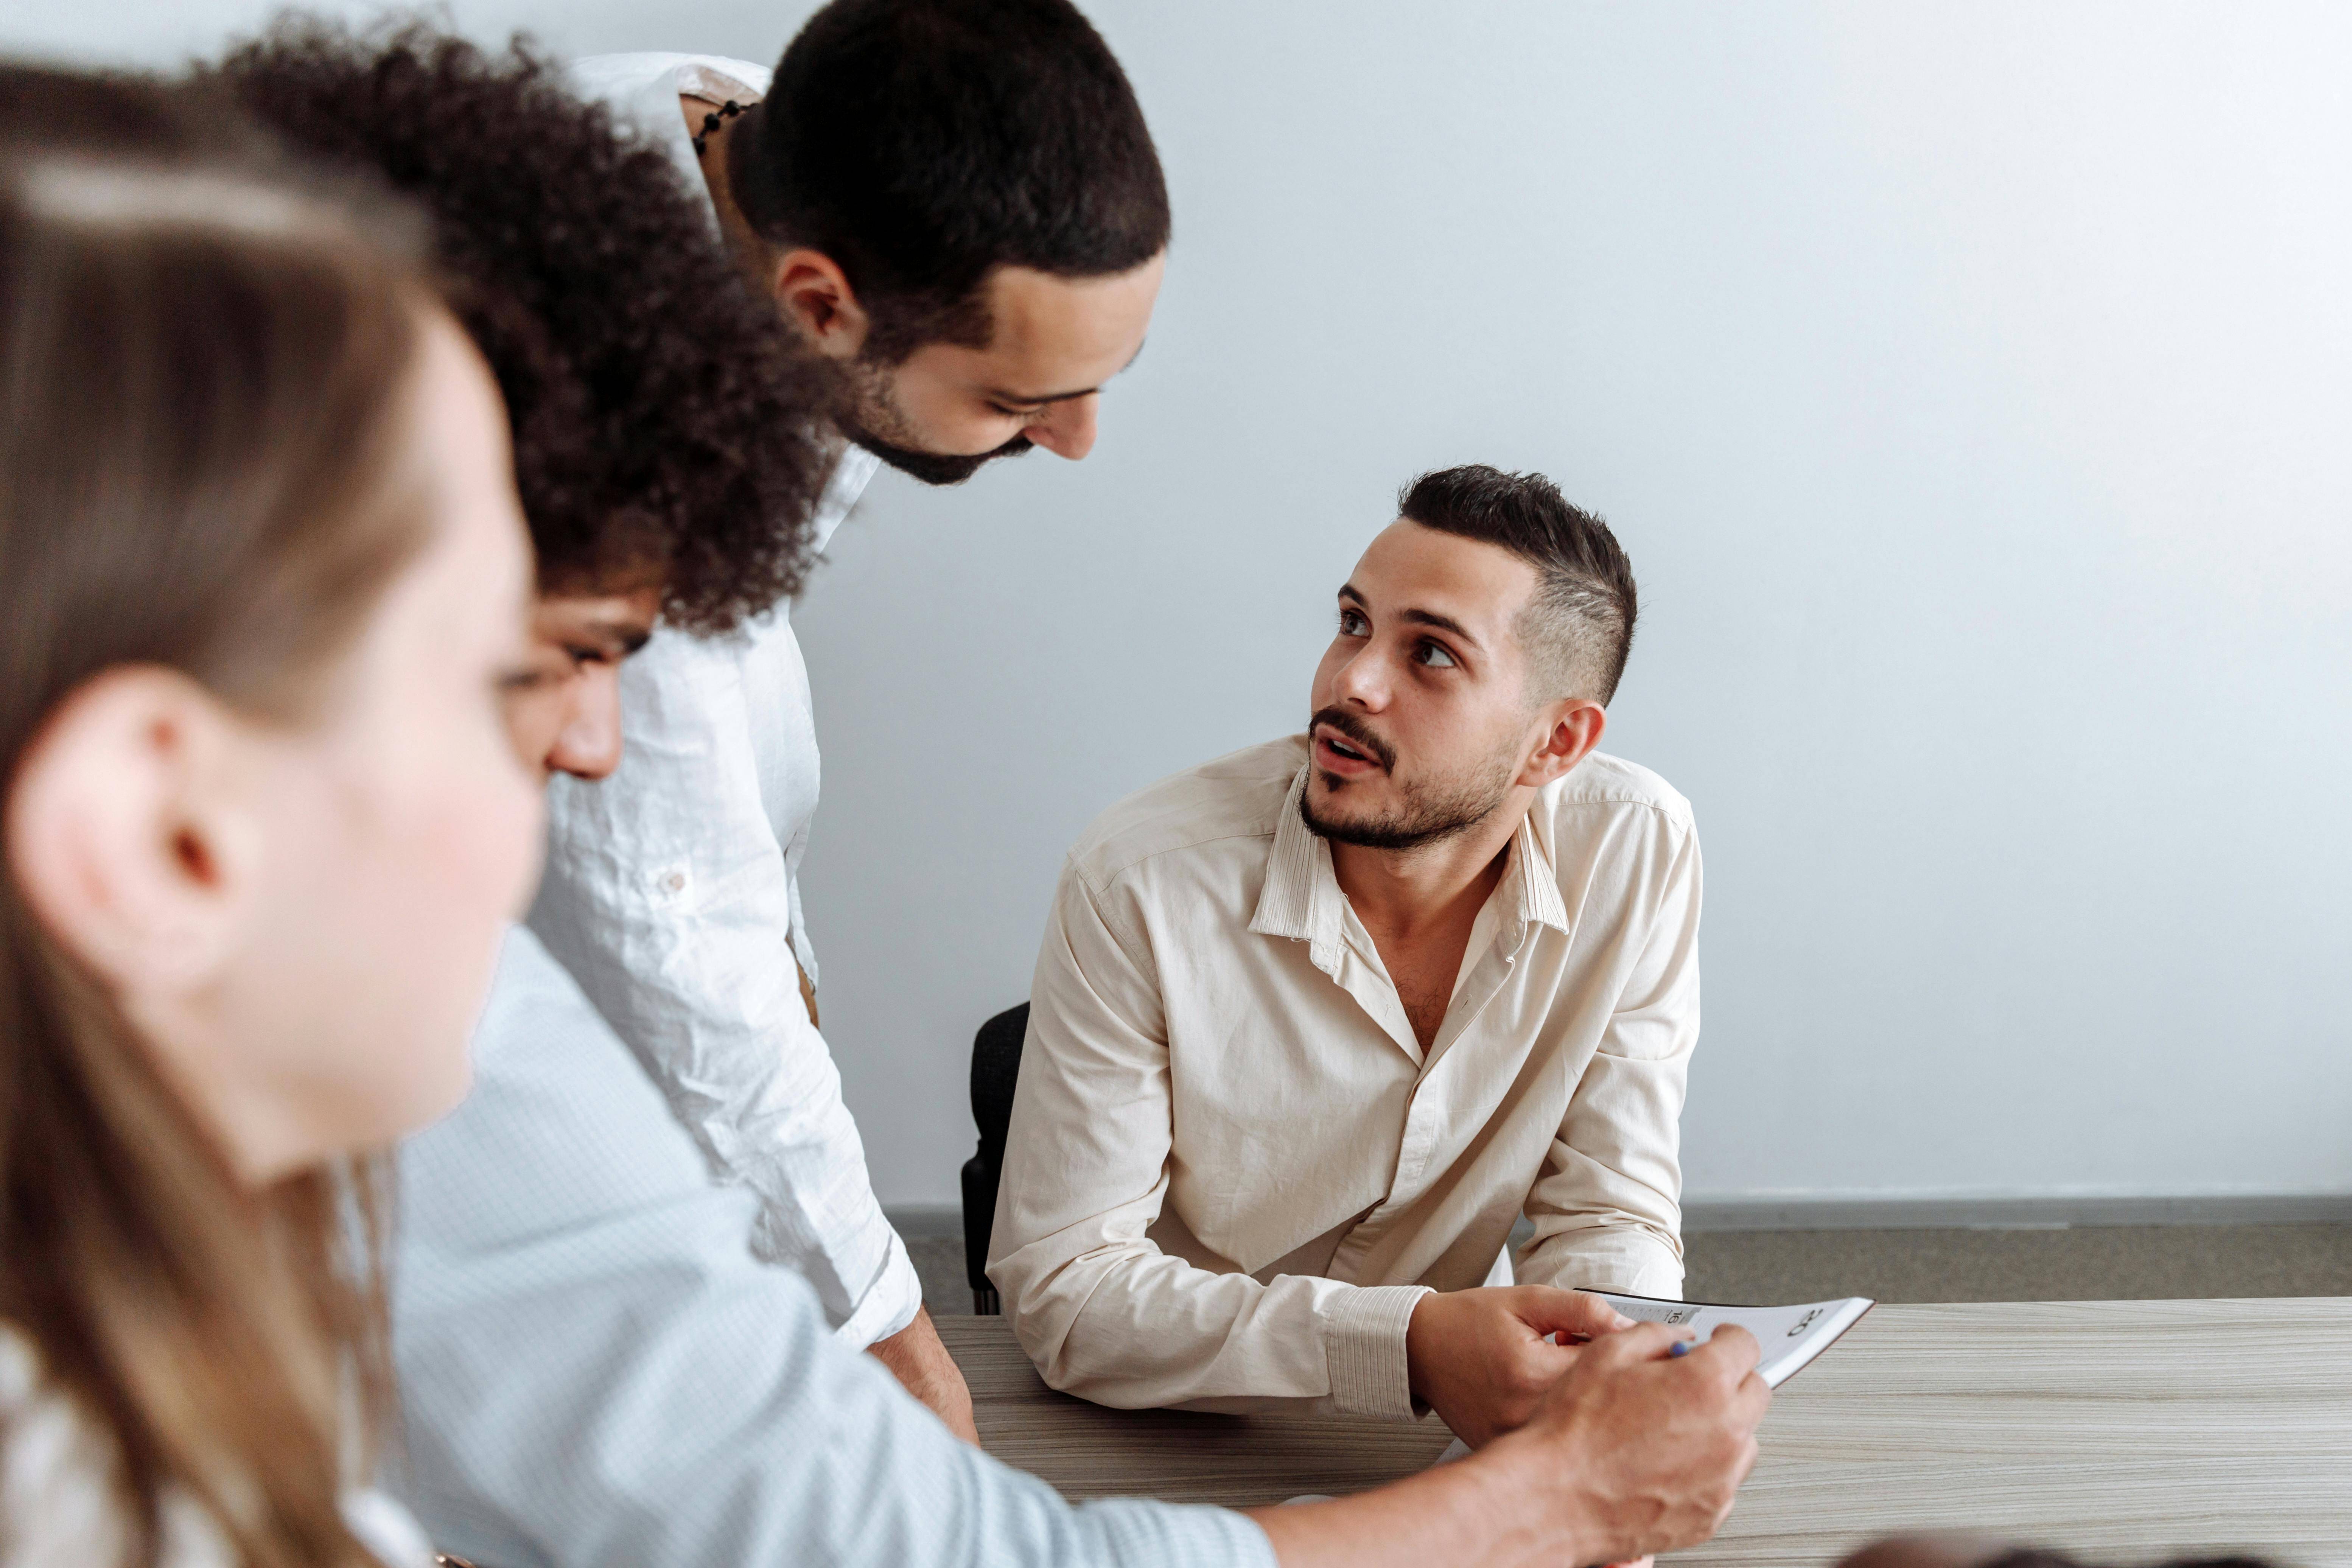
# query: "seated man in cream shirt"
{"type": "Point", "coordinates": [1316, 1022]}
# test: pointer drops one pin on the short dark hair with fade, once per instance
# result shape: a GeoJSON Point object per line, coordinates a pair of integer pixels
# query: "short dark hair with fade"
{"type": "Point", "coordinates": [923, 143]}
{"type": "Point", "coordinates": [1579, 627]}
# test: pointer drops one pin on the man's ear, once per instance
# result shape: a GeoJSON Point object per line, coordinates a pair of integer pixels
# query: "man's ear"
{"type": "Point", "coordinates": [125, 838]}
{"type": "Point", "coordinates": [1576, 727]}
{"type": "Point", "coordinates": [815, 294]}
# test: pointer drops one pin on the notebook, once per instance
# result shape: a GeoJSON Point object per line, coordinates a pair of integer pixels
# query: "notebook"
{"type": "Point", "coordinates": [1790, 1336]}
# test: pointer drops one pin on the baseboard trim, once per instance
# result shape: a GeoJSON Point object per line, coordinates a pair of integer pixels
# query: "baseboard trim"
{"type": "Point", "coordinates": [2058, 1213]}
{"type": "Point", "coordinates": [930, 1221]}
{"type": "Point", "coordinates": [925, 1222]}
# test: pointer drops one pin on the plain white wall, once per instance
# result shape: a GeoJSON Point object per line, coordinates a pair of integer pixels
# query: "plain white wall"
{"type": "Point", "coordinates": [1972, 386]}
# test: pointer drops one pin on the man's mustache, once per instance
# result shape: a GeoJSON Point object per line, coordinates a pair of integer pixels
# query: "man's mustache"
{"type": "Point", "coordinates": [1357, 731]}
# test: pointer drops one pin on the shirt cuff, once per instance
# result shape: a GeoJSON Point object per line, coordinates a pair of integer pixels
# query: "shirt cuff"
{"type": "Point", "coordinates": [889, 1304]}
{"type": "Point", "coordinates": [1630, 1270]}
{"type": "Point", "coordinates": [1663, 1279]}
{"type": "Point", "coordinates": [1363, 1348]}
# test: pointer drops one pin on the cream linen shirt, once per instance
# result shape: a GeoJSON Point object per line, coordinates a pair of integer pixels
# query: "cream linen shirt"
{"type": "Point", "coordinates": [672, 890]}
{"type": "Point", "coordinates": [1232, 1171]}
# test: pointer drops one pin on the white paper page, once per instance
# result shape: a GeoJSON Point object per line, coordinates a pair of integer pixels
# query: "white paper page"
{"type": "Point", "coordinates": [1790, 1336]}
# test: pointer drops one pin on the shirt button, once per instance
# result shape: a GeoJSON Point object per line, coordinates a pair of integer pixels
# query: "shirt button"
{"type": "Point", "coordinates": [674, 883]}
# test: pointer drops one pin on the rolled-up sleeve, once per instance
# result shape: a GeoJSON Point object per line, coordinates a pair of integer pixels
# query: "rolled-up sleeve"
{"type": "Point", "coordinates": [667, 896]}
{"type": "Point", "coordinates": [1101, 1310]}
{"type": "Point", "coordinates": [596, 1372]}
{"type": "Point", "coordinates": [1607, 1209]}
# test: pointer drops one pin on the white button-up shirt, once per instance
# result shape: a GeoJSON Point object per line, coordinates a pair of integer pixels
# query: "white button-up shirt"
{"type": "Point", "coordinates": [672, 888]}
{"type": "Point", "coordinates": [1233, 1171]}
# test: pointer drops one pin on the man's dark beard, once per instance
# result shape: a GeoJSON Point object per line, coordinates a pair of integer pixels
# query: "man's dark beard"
{"type": "Point", "coordinates": [863, 400]}
{"type": "Point", "coordinates": [1422, 822]}
{"type": "Point", "coordinates": [931, 467]}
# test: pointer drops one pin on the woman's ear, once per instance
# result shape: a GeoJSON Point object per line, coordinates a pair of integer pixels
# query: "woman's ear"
{"type": "Point", "coordinates": [1576, 727]}
{"type": "Point", "coordinates": [811, 289]}
{"type": "Point", "coordinates": [127, 838]}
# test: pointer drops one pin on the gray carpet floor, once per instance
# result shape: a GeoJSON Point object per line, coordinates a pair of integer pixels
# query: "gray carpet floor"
{"type": "Point", "coordinates": [2102, 1263]}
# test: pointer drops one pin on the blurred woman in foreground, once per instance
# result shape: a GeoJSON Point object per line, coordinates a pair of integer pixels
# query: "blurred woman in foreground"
{"type": "Point", "coordinates": [262, 578]}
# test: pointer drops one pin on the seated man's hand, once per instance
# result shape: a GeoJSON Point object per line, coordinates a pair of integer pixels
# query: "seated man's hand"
{"type": "Point", "coordinates": [1483, 1359]}
{"type": "Point", "coordinates": [1641, 1451]}
{"type": "Point", "coordinates": [917, 1359]}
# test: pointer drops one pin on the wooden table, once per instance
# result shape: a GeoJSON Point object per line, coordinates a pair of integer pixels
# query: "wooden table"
{"type": "Point", "coordinates": [2118, 1430]}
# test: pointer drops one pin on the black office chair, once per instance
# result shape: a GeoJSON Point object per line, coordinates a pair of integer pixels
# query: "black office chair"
{"type": "Point", "coordinates": [995, 1069]}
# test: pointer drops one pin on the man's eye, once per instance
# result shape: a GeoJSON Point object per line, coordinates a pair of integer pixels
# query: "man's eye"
{"type": "Point", "coordinates": [514, 682]}
{"type": "Point", "coordinates": [1351, 625]}
{"type": "Point", "coordinates": [1019, 412]}
{"type": "Point", "coordinates": [1436, 656]}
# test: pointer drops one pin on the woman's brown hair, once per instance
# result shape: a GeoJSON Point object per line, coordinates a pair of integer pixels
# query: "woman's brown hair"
{"type": "Point", "coordinates": [204, 378]}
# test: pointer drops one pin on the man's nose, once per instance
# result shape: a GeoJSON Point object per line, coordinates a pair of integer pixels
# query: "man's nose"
{"type": "Point", "coordinates": [1362, 681]}
{"type": "Point", "coordinates": [589, 744]}
{"type": "Point", "coordinates": [1068, 428]}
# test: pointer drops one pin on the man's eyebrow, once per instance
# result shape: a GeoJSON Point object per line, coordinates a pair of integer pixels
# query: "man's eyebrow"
{"type": "Point", "coordinates": [1442, 623]}
{"type": "Point", "coordinates": [1024, 400]}
{"type": "Point", "coordinates": [622, 637]}
{"type": "Point", "coordinates": [1349, 593]}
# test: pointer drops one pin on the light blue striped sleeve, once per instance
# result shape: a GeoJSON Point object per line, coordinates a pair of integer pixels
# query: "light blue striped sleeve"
{"type": "Point", "coordinates": [595, 1371]}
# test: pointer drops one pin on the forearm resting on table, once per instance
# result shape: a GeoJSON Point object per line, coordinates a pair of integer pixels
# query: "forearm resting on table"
{"type": "Point", "coordinates": [1477, 1510]}
{"type": "Point", "coordinates": [1635, 1450]}
{"type": "Point", "coordinates": [922, 1366]}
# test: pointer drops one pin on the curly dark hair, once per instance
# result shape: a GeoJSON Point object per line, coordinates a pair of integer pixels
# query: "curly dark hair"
{"type": "Point", "coordinates": [666, 418]}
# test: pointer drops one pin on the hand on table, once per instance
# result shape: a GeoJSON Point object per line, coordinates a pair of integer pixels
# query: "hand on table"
{"type": "Point", "coordinates": [1646, 1450]}
{"type": "Point", "coordinates": [1483, 1359]}
{"type": "Point", "coordinates": [1633, 1451]}
{"type": "Point", "coordinates": [917, 1359]}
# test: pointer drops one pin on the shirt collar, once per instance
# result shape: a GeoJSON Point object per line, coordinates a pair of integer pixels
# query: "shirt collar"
{"type": "Point", "coordinates": [853, 471]}
{"type": "Point", "coordinates": [1297, 872]}
{"type": "Point", "coordinates": [1302, 900]}
{"type": "Point", "coordinates": [1539, 894]}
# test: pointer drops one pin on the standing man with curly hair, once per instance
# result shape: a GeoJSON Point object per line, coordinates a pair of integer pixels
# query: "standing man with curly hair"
{"type": "Point", "coordinates": [958, 209]}
{"type": "Point", "coordinates": [948, 310]}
